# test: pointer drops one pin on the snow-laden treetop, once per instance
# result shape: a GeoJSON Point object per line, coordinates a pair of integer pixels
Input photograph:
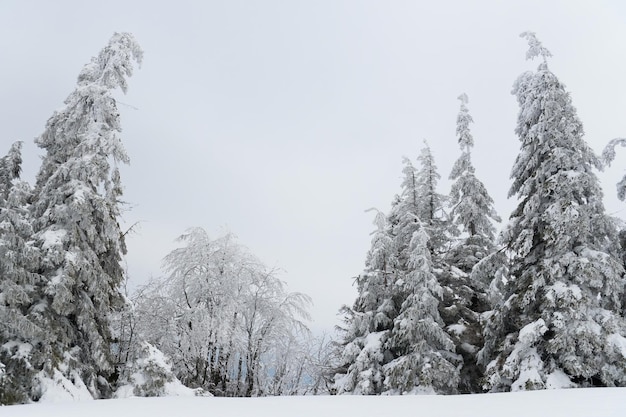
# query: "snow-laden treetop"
{"type": "Point", "coordinates": [114, 63]}
{"type": "Point", "coordinates": [535, 48]}
{"type": "Point", "coordinates": [463, 120]}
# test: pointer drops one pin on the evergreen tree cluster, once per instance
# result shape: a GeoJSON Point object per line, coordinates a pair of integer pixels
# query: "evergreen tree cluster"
{"type": "Point", "coordinates": [445, 307]}
{"type": "Point", "coordinates": [414, 326]}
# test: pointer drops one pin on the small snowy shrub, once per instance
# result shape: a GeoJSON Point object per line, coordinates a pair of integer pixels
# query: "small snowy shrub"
{"type": "Point", "coordinates": [150, 375]}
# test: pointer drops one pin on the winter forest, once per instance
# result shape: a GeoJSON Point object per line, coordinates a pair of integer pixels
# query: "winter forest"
{"type": "Point", "coordinates": [452, 299]}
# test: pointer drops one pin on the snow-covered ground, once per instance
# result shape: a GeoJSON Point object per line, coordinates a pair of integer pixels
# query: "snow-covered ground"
{"type": "Point", "coordinates": [598, 402]}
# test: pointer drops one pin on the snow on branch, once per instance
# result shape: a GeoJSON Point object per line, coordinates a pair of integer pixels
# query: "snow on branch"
{"type": "Point", "coordinates": [535, 48]}
{"type": "Point", "coordinates": [608, 155]}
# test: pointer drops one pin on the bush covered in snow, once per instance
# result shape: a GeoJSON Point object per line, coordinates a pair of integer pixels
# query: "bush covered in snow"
{"type": "Point", "coordinates": [150, 375]}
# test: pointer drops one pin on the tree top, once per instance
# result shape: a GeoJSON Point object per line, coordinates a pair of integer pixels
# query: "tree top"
{"type": "Point", "coordinates": [535, 48]}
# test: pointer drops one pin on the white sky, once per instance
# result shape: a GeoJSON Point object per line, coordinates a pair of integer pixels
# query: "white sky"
{"type": "Point", "coordinates": [284, 120]}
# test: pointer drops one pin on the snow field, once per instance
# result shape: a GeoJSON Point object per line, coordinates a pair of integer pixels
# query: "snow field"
{"type": "Point", "coordinates": [588, 402]}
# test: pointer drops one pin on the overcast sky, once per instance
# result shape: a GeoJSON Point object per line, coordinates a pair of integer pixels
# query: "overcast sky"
{"type": "Point", "coordinates": [284, 120]}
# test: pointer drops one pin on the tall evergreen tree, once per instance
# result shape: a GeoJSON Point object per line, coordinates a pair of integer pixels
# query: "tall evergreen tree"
{"type": "Point", "coordinates": [472, 210]}
{"type": "Point", "coordinates": [394, 340]}
{"type": "Point", "coordinates": [404, 218]}
{"type": "Point", "coordinates": [10, 170]}
{"type": "Point", "coordinates": [424, 354]}
{"type": "Point", "coordinates": [369, 322]}
{"type": "Point", "coordinates": [471, 215]}
{"type": "Point", "coordinates": [20, 337]}
{"type": "Point", "coordinates": [560, 323]}
{"type": "Point", "coordinates": [430, 204]}
{"type": "Point", "coordinates": [76, 219]}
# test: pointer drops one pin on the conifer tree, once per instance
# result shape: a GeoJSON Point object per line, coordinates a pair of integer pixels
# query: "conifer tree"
{"type": "Point", "coordinates": [471, 214]}
{"type": "Point", "coordinates": [369, 322]}
{"type": "Point", "coordinates": [560, 323]}
{"type": "Point", "coordinates": [394, 339]}
{"type": "Point", "coordinates": [472, 210]}
{"type": "Point", "coordinates": [422, 354]}
{"type": "Point", "coordinates": [10, 170]}
{"type": "Point", "coordinates": [404, 218]}
{"type": "Point", "coordinates": [425, 360]}
{"type": "Point", "coordinates": [430, 204]}
{"type": "Point", "coordinates": [20, 336]}
{"type": "Point", "coordinates": [76, 209]}
{"type": "Point", "coordinates": [379, 276]}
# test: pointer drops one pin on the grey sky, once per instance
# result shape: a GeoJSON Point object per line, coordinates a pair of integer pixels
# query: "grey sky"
{"type": "Point", "coordinates": [284, 120]}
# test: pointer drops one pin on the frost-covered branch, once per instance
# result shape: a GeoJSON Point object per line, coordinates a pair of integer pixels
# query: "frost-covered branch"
{"type": "Point", "coordinates": [608, 155]}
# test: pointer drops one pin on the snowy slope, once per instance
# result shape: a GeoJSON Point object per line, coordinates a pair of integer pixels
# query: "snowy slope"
{"type": "Point", "coordinates": [598, 402]}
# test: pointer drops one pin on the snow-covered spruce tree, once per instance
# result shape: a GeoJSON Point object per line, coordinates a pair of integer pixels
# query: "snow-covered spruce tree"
{"type": "Point", "coordinates": [76, 209]}
{"type": "Point", "coordinates": [424, 357]}
{"type": "Point", "coordinates": [471, 214]}
{"type": "Point", "coordinates": [382, 351]}
{"type": "Point", "coordinates": [369, 321]}
{"type": "Point", "coordinates": [418, 206]}
{"type": "Point", "coordinates": [430, 204]}
{"type": "Point", "coordinates": [421, 353]}
{"type": "Point", "coordinates": [10, 169]}
{"type": "Point", "coordinates": [404, 219]}
{"type": "Point", "coordinates": [375, 284]}
{"type": "Point", "coordinates": [472, 210]}
{"type": "Point", "coordinates": [20, 336]}
{"type": "Point", "coordinates": [560, 324]}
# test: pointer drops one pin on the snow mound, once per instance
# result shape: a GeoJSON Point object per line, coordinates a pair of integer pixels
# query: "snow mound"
{"type": "Point", "coordinates": [59, 388]}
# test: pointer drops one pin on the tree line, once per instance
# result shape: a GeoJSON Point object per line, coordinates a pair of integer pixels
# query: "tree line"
{"type": "Point", "coordinates": [445, 304]}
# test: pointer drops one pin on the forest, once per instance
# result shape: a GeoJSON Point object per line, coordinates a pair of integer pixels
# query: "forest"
{"type": "Point", "coordinates": [447, 303]}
